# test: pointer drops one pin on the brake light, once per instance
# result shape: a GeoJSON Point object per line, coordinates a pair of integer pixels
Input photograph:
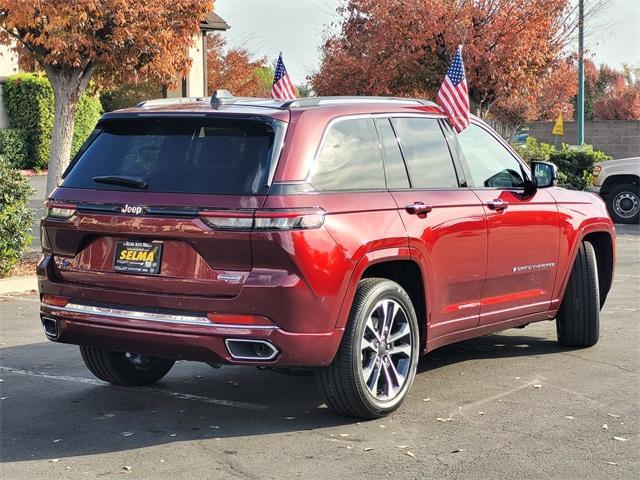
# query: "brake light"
{"type": "Point", "coordinates": [285, 219]}
{"type": "Point", "coordinates": [594, 174]}
{"type": "Point", "coordinates": [289, 219]}
{"type": "Point", "coordinates": [54, 300]}
{"type": "Point", "coordinates": [59, 210]}
{"type": "Point", "coordinates": [228, 220]}
{"type": "Point", "coordinates": [246, 320]}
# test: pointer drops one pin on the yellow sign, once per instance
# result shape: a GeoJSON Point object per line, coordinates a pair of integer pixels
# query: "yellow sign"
{"type": "Point", "coordinates": [558, 128]}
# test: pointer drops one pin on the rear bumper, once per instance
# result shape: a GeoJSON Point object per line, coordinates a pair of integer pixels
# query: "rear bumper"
{"type": "Point", "coordinates": [126, 324]}
{"type": "Point", "coordinates": [206, 343]}
{"type": "Point", "coordinates": [594, 189]}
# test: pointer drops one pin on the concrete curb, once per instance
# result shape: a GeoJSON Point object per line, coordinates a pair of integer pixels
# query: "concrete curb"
{"type": "Point", "coordinates": [30, 172]}
{"type": "Point", "coordinates": [18, 284]}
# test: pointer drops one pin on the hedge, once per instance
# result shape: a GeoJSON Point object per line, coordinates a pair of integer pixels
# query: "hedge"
{"type": "Point", "coordinates": [16, 217]}
{"type": "Point", "coordinates": [13, 147]}
{"type": "Point", "coordinates": [29, 103]}
{"type": "Point", "coordinates": [575, 164]}
{"type": "Point", "coordinates": [129, 95]}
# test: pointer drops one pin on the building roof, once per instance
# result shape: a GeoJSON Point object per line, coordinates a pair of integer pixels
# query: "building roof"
{"type": "Point", "coordinates": [213, 22]}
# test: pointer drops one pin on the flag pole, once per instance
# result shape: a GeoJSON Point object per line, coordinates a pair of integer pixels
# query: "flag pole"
{"type": "Point", "coordinates": [581, 73]}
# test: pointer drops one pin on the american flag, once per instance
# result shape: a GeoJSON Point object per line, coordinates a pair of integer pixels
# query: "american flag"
{"type": "Point", "coordinates": [453, 95]}
{"type": "Point", "coordinates": [282, 88]}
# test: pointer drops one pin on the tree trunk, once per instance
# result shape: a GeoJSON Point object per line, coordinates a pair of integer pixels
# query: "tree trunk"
{"type": "Point", "coordinates": [67, 87]}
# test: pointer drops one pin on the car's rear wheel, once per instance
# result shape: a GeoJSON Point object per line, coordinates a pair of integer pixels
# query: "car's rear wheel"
{"type": "Point", "coordinates": [129, 369]}
{"type": "Point", "coordinates": [578, 320]}
{"type": "Point", "coordinates": [376, 363]}
{"type": "Point", "coordinates": [623, 203]}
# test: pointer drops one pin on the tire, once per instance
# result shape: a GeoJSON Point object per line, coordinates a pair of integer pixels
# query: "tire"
{"type": "Point", "coordinates": [623, 203]}
{"type": "Point", "coordinates": [578, 320]}
{"type": "Point", "coordinates": [344, 383]}
{"type": "Point", "coordinates": [124, 369]}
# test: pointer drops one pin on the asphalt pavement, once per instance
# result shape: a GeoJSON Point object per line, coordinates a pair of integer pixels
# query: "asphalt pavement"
{"type": "Point", "coordinates": [512, 405]}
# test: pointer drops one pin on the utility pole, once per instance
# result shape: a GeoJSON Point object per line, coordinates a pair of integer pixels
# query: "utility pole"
{"type": "Point", "coordinates": [581, 73]}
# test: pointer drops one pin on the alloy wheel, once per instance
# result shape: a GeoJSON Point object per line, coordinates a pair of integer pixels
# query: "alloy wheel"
{"type": "Point", "coordinates": [386, 350]}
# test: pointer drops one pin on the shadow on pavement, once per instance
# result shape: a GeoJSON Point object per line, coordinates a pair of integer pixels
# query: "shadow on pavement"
{"type": "Point", "coordinates": [45, 417]}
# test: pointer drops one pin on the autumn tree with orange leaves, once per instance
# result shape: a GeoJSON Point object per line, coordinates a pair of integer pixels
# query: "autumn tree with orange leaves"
{"type": "Point", "coordinates": [403, 47]}
{"type": "Point", "coordinates": [234, 70]}
{"type": "Point", "coordinates": [75, 41]}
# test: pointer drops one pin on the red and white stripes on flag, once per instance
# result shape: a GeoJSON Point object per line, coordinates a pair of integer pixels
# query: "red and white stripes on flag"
{"type": "Point", "coordinates": [453, 95]}
{"type": "Point", "coordinates": [282, 88]}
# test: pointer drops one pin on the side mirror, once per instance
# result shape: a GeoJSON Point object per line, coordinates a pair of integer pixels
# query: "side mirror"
{"type": "Point", "coordinates": [544, 174]}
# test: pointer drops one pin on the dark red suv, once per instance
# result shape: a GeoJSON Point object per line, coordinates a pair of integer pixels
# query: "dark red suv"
{"type": "Point", "coordinates": [344, 235]}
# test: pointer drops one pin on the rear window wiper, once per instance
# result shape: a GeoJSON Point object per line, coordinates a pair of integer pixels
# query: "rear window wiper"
{"type": "Point", "coordinates": [131, 182]}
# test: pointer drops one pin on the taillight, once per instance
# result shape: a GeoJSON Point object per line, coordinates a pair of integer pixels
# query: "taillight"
{"type": "Point", "coordinates": [55, 300]}
{"type": "Point", "coordinates": [289, 219]}
{"type": "Point", "coordinates": [246, 320]}
{"type": "Point", "coordinates": [228, 220]}
{"type": "Point", "coordinates": [59, 210]}
{"type": "Point", "coordinates": [284, 219]}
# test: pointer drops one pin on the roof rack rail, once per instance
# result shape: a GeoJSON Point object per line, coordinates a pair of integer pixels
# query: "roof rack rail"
{"type": "Point", "coordinates": [170, 101]}
{"type": "Point", "coordinates": [315, 101]}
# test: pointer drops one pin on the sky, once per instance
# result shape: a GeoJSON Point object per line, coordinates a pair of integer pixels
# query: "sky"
{"type": "Point", "coordinates": [297, 28]}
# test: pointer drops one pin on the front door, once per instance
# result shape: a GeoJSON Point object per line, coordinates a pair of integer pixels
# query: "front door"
{"type": "Point", "coordinates": [523, 230]}
{"type": "Point", "coordinates": [445, 223]}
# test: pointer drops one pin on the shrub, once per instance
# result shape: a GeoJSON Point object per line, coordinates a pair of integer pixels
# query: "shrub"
{"type": "Point", "coordinates": [16, 217]}
{"type": "Point", "coordinates": [29, 102]}
{"type": "Point", "coordinates": [129, 95]}
{"type": "Point", "coordinates": [576, 164]}
{"type": "Point", "coordinates": [13, 147]}
{"type": "Point", "coordinates": [534, 150]}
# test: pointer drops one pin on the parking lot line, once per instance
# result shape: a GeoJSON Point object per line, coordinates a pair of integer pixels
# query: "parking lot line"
{"type": "Point", "coordinates": [156, 391]}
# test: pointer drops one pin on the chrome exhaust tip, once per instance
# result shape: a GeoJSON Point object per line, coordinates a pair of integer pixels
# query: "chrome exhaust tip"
{"type": "Point", "coordinates": [254, 350]}
{"type": "Point", "coordinates": [50, 326]}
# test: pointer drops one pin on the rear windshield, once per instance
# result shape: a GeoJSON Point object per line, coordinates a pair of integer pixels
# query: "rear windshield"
{"type": "Point", "coordinates": [179, 155]}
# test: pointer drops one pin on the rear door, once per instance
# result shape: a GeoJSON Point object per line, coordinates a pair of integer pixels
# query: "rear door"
{"type": "Point", "coordinates": [153, 202]}
{"type": "Point", "coordinates": [445, 221]}
{"type": "Point", "coordinates": [524, 230]}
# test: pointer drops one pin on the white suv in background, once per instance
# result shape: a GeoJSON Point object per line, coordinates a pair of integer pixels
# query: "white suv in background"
{"type": "Point", "coordinates": [617, 182]}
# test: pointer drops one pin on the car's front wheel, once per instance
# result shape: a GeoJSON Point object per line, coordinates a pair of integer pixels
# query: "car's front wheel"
{"type": "Point", "coordinates": [376, 363]}
{"type": "Point", "coordinates": [623, 203]}
{"type": "Point", "coordinates": [128, 369]}
{"type": "Point", "coordinates": [578, 320]}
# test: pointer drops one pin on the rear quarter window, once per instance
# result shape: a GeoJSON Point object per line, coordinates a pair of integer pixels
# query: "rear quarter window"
{"type": "Point", "coordinates": [349, 158]}
{"type": "Point", "coordinates": [179, 155]}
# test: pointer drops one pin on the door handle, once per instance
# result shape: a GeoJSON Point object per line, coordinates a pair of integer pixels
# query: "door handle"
{"type": "Point", "coordinates": [497, 205]}
{"type": "Point", "coordinates": [418, 208]}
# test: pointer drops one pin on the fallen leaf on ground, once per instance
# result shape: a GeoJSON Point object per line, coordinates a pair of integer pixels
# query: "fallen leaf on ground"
{"type": "Point", "coordinates": [569, 417]}
{"type": "Point", "coordinates": [612, 463]}
{"type": "Point", "coordinates": [54, 460]}
{"type": "Point", "coordinates": [444, 419]}
{"type": "Point", "coordinates": [409, 454]}
{"type": "Point", "coordinates": [620, 439]}
{"type": "Point", "coordinates": [402, 446]}
{"type": "Point", "coordinates": [458, 450]}
{"type": "Point", "coordinates": [613, 415]}
{"type": "Point", "coordinates": [605, 426]}
{"type": "Point", "coordinates": [127, 468]}
{"type": "Point", "coordinates": [368, 449]}
{"type": "Point", "coordinates": [344, 434]}
{"type": "Point", "coordinates": [426, 399]}
{"type": "Point", "coordinates": [57, 440]}
{"type": "Point", "coordinates": [537, 385]}
{"type": "Point", "coordinates": [127, 434]}
{"type": "Point", "coordinates": [480, 413]}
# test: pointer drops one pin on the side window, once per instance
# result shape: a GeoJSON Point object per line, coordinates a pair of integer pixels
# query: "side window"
{"type": "Point", "coordinates": [394, 167]}
{"type": "Point", "coordinates": [350, 158]}
{"type": "Point", "coordinates": [490, 163]}
{"type": "Point", "coordinates": [426, 153]}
